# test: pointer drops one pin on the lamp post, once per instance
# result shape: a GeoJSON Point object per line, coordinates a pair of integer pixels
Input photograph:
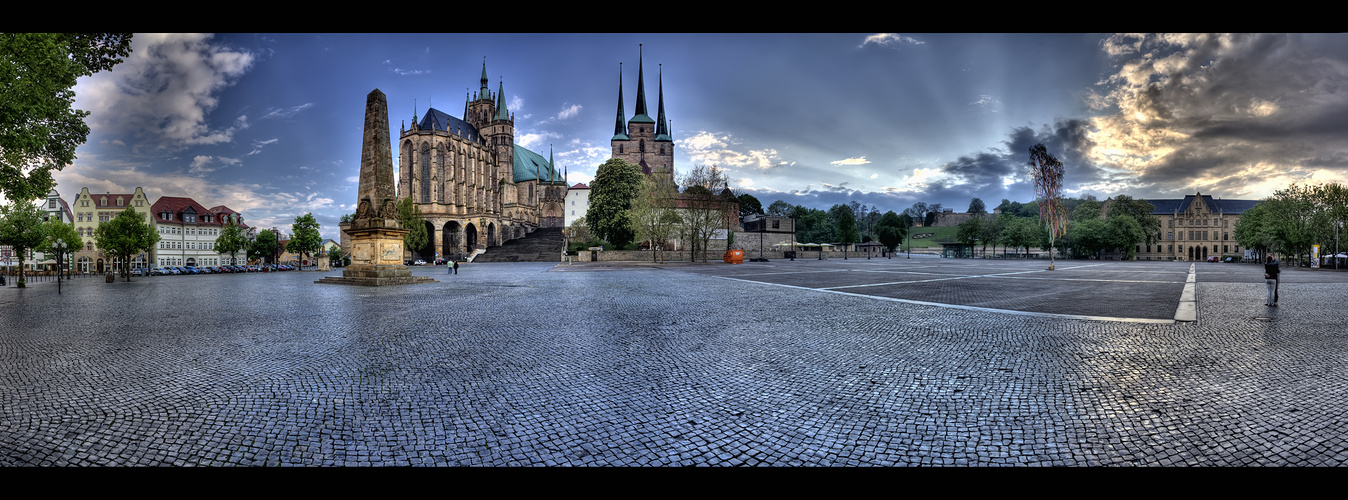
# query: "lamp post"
{"type": "Point", "coordinates": [60, 246]}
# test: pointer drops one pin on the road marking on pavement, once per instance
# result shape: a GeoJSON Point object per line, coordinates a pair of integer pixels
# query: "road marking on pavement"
{"type": "Point", "coordinates": [967, 308]}
{"type": "Point", "coordinates": [1187, 311]}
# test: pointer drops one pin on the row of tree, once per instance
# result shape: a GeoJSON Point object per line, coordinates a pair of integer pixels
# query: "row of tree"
{"type": "Point", "coordinates": [627, 207]}
{"type": "Point", "coordinates": [1295, 218]}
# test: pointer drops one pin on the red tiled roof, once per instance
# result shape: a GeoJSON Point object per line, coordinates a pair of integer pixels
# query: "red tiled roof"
{"type": "Point", "coordinates": [177, 204]}
{"type": "Point", "coordinates": [579, 185]}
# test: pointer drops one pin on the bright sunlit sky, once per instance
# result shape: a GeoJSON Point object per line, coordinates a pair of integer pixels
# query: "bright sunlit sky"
{"type": "Point", "coordinates": [270, 124]}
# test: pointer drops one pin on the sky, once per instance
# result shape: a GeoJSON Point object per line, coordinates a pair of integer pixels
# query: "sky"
{"type": "Point", "coordinates": [271, 124]}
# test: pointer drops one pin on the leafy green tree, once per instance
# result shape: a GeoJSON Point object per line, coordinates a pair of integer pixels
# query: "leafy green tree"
{"type": "Point", "coordinates": [125, 236]}
{"type": "Point", "coordinates": [812, 225]}
{"type": "Point", "coordinates": [21, 227]}
{"type": "Point", "coordinates": [409, 214]}
{"type": "Point", "coordinates": [891, 229]}
{"type": "Point", "coordinates": [1140, 211]}
{"type": "Point", "coordinates": [334, 256]}
{"type": "Point", "coordinates": [749, 205]}
{"type": "Point", "coordinates": [845, 222]}
{"type": "Point", "coordinates": [1086, 210]}
{"type": "Point", "coordinates": [779, 208]}
{"type": "Point", "coordinates": [305, 238]}
{"type": "Point", "coordinates": [39, 129]}
{"type": "Point", "coordinates": [1125, 234]}
{"type": "Point", "coordinates": [970, 231]}
{"type": "Point", "coordinates": [615, 184]}
{"type": "Point", "coordinates": [231, 240]}
{"type": "Point", "coordinates": [266, 245]}
{"type": "Point", "coordinates": [61, 231]}
{"type": "Point", "coordinates": [976, 206]}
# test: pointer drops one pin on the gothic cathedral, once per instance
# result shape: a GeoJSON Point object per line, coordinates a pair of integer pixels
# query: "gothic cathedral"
{"type": "Point", "coordinates": [475, 187]}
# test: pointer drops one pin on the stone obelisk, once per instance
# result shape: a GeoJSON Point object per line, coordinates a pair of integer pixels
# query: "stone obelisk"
{"type": "Point", "coordinates": [376, 233]}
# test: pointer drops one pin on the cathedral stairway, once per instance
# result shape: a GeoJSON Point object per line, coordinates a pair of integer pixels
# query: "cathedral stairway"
{"type": "Point", "coordinates": [542, 245]}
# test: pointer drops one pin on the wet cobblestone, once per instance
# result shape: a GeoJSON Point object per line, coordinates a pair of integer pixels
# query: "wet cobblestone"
{"type": "Point", "coordinates": [512, 365]}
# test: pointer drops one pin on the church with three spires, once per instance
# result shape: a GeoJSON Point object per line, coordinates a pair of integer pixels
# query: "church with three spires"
{"type": "Point", "coordinates": [475, 186]}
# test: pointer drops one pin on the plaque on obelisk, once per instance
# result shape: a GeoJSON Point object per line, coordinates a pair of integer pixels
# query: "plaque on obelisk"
{"type": "Point", "coordinates": [376, 234]}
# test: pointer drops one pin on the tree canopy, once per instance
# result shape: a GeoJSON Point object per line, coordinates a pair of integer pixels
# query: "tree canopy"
{"type": "Point", "coordinates": [409, 214]}
{"type": "Point", "coordinates": [125, 236]}
{"type": "Point", "coordinates": [615, 184]}
{"type": "Point", "coordinates": [61, 231]}
{"type": "Point", "coordinates": [749, 205]}
{"type": "Point", "coordinates": [305, 238]}
{"type": "Point", "coordinates": [39, 128]}
{"type": "Point", "coordinates": [231, 240]}
{"type": "Point", "coordinates": [21, 227]}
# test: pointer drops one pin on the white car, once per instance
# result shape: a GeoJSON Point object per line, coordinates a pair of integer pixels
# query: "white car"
{"type": "Point", "coordinates": [419, 262]}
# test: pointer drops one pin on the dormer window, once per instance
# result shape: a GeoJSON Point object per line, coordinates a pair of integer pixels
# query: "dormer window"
{"type": "Point", "coordinates": [119, 201]}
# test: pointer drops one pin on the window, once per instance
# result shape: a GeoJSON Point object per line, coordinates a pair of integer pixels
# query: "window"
{"type": "Point", "coordinates": [51, 203]}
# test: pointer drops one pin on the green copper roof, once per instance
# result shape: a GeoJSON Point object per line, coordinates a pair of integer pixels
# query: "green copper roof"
{"type": "Point", "coordinates": [661, 131]}
{"type": "Point", "coordinates": [501, 113]}
{"type": "Point", "coordinates": [530, 165]}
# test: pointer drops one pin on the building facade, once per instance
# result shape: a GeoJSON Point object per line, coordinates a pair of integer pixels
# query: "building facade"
{"type": "Point", "coordinates": [187, 233]}
{"type": "Point", "coordinates": [90, 210]}
{"type": "Point", "coordinates": [1195, 227]}
{"type": "Point", "coordinates": [577, 202]}
{"type": "Point", "coordinates": [475, 187]}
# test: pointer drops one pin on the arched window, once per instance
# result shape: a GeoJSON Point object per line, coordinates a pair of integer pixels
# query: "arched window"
{"type": "Point", "coordinates": [425, 173]}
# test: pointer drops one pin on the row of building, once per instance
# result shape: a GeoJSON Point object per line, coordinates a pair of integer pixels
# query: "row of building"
{"type": "Point", "coordinates": [187, 230]}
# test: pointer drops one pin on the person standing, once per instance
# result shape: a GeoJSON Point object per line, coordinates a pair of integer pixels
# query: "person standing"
{"type": "Point", "coordinates": [456, 267]}
{"type": "Point", "coordinates": [1271, 280]}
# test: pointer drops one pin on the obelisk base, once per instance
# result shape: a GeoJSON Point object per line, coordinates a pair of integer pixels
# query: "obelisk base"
{"type": "Point", "coordinates": [376, 256]}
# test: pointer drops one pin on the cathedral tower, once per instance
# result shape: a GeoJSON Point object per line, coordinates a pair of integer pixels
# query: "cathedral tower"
{"type": "Point", "coordinates": [643, 141]}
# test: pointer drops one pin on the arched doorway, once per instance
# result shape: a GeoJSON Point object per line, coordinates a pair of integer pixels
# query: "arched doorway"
{"type": "Point", "coordinates": [491, 235]}
{"type": "Point", "coordinates": [449, 238]}
{"type": "Point", "coordinates": [99, 266]}
{"type": "Point", "coordinates": [470, 238]}
{"type": "Point", "coordinates": [83, 265]}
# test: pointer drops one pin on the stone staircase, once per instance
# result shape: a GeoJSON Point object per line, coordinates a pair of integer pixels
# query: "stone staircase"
{"type": "Point", "coordinates": [542, 245]}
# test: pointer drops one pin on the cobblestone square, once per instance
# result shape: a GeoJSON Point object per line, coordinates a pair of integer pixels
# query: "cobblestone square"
{"type": "Point", "coordinates": [806, 363]}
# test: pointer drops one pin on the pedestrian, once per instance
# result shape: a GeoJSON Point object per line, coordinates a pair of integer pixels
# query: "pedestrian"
{"type": "Point", "coordinates": [456, 267]}
{"type": "Point", "coordinates": [449, 269]}
{"type": "Point", "coordinates": [1271, 280]}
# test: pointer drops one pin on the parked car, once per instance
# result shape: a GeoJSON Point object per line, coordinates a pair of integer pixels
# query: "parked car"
{"type": "Point", "coordinates": [419, 262]}
{"type": "Point", "coordinates": [1213, 258]}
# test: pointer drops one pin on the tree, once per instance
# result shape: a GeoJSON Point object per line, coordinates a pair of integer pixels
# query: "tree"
{"type": "Point", "coordinates": [615, 184]}
{"type": "Point", "coordinates": [21, 228]}
{"type": "Point", "coordinates": [1140, 211]}
{"type": "Point", "coordinates": [231, 240]}
{"type": "Point", "coordinates": [705, 211]}
{"type": "Point", "coordinates": [976, 206]}
{"type": "Point", "coordinates": [891, 228]}
{"type": "Point", "coordinates": [61, 231]}
{"type": "Point", "coordinates": [1047, 173]}
{"type": "Point", "coordinates": [654, 216]}
{"type": "Point", "coordinates": [334, 256]}
{"type": "Point", "coordinates": [305, 238]}
{"type": "Point", "coordinates": [970, 231]}
{"type": "Point", "coordinates": [845, 222]}
{"type": "Point", "coordinates": [409, 214]}
{"type": "Point", "coordinates": [779, 208]}
{"type": "Point", "coordinates": [39, 129]}
{"type": "Point", "coordinates": [749, 205]}
{"type": "Point", "coordinates": [124, 236]}
{"type": "Point", "coordinates": [266, 245]}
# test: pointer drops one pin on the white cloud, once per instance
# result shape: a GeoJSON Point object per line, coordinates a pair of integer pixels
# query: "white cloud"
{"type": "Point", "coordinates": [890, 40]}
{"type": "Point", "coordinates": [851, 161]}
{"type": "Point", "coordinates": [706, 148]}
{"type": "Point", "coordinates": [286, 112]}
{"type": "Point", "coordinates": [165, 90]}
{"type": "Point", "coordinates": [570, 112]}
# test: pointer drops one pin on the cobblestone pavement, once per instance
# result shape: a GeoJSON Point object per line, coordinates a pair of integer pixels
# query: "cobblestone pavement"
{"type": "Point", "coordinates": [510, 364]}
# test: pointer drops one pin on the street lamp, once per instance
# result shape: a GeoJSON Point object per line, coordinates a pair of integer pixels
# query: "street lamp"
{"type": "Point", "coordinates": [60, 247]}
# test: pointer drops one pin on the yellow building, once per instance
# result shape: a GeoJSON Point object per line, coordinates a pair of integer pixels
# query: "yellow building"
{"type": "Point", "coordinates": [90, 210]}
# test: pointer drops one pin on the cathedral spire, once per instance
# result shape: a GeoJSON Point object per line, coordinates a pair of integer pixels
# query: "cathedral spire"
{"type": "Point", "coordinates": [484, 92]}
{"type": "Point", "coordinates": [620, 127]}
{"type": "Point", "coordinates": [641, 116]}
{"type": "Point", "coordinates": [661, 131]}
{"type": "Point", "coordinates": [501, 113]}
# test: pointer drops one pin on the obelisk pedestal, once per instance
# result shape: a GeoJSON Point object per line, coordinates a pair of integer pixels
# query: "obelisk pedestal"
{"type": "Point", "coordinates": [376, 233]}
